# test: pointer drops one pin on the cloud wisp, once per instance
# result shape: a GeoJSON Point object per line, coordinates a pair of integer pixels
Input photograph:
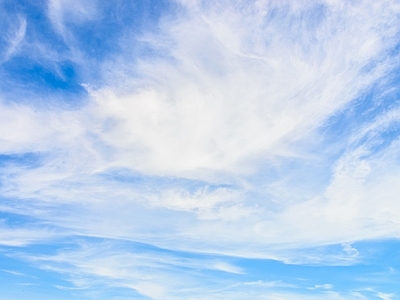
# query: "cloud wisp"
{"type": "Point", "coordinates": [258, 129]}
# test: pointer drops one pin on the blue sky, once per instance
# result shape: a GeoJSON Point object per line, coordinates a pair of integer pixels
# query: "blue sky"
{"type": "Point", "coordinates": [191, 149]}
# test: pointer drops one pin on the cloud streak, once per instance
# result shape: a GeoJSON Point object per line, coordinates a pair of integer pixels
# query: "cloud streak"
{"type": "Point", "coordinates": [219, 129]}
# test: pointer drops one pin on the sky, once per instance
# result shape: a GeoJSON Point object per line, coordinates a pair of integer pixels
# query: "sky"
{"type": "Point", "coordinates": [194, 149]}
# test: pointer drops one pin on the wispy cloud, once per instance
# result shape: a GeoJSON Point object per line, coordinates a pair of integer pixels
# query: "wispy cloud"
{"type": "Point", "coordinates": [14, 272]}
{"type": "Point", "coordinates": [21, 236]}
{"type": "Point", "coordinates": [14, 38]}
{"type": "Point", "coordinates": [62, 12]}
{"type": "Point", "coordinates": [261, 88]}
{"type": "Point", "coordinates": [151, 272]}
{"type": "Point", "coordinates": [385, 296]}
{"type": "Point", "coordinates": [219, 128]}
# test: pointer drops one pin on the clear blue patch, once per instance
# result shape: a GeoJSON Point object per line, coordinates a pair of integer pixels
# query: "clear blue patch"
{"type": "Point", "coordinates": [100, 37]}
{"type": "Point", "coordinates": [26, 77]}
{"type": "Point", "coordinates": [28, 160]}
{"type": "Point", "coordinates": [16, 220]}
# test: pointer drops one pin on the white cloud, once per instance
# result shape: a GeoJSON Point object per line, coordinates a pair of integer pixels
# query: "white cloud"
{"type": "Point", "coordinates": [326, 286]}
{"type": "Point", "coordinates": [225, 267]}
{"type": "Point", "coordinates": [14, 272]}
{"type": "Point", "coordinates": [385, 296]}
{"type": "Point", "coordinates": [236, 92]}
{"type": "Point", "coordinates": [18, 237]}
{"type": "Point", "coordinates": [270, 284]}
{"type": "Point", "coordinates": [239, 86]}
{"type": "Point", "coordinates": [154, 273]}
